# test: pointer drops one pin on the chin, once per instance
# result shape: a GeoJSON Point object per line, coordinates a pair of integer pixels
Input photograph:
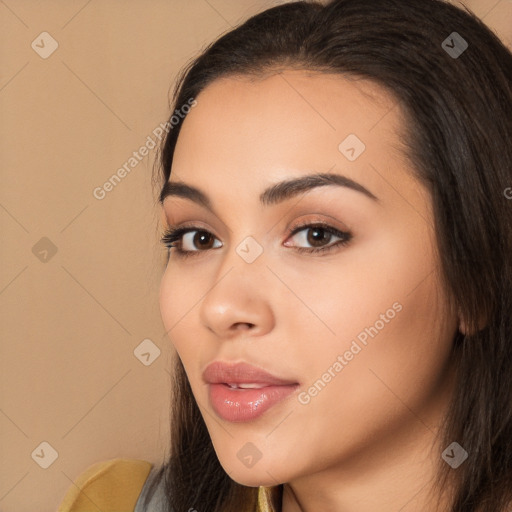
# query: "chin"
{"type": "Point", "coordinates": [266, 472]}
{"type": "Point", "coordinates": [253, 478]}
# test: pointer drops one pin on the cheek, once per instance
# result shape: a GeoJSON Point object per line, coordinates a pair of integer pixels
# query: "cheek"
{"type": "Point", "coordinates": [349, 291]}
{"type": "Point", "coordinates": [394, 341]}
{"type": "Point", "coordinates": [399, 368]}
{"type": "Point", "coordinates": [180, 295]}
{"type": "Point", "coordinates": [382, 309]}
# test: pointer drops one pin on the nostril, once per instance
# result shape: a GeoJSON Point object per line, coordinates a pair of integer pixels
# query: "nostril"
{"type": "Point", "coordinates": [244, 325]}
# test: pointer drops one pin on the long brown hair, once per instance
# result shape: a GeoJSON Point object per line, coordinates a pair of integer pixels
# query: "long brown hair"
{"type": "Point", "coordinates": [458, 138]}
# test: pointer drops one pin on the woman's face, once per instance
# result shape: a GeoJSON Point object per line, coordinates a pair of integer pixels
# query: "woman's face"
{"type": "Point", "coordinates": [363, 329]}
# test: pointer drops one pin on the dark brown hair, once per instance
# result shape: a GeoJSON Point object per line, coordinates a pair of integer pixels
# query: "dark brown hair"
{"type": "Point", "coordinates": [458, 137]}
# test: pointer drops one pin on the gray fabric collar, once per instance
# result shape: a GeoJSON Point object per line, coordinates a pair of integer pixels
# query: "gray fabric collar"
{"type": "Point", "coordinates": [158, 501]}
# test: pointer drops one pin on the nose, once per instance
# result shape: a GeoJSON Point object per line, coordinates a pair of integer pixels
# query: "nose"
{"type": "Point", "coordinates": [239, 299]}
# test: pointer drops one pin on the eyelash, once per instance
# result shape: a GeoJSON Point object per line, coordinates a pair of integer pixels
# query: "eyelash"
{"type": "Point", "coordinates": [172, 235]}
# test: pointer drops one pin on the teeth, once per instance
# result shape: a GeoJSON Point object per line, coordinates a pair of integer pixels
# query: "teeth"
{"type": "Point", "coordinates": [246, 385]}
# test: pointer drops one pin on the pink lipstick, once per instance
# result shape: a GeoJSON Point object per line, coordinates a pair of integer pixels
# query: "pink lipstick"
{"type": "Point", "coordinates": [242, 392]}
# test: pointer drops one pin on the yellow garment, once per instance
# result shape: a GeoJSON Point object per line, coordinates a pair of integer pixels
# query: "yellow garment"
{"type": "Point", "coordinates": [110, 486]}
{"type": "Point", "coordinates": [115, 486]}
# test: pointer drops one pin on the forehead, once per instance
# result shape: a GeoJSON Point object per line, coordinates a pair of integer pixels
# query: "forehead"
{"type": "Point", "coordinates": [285, 109]}
{"type": "Point", "coordinates": [334, 99]}
{"type": "Point", "coordinates": [250, 132]}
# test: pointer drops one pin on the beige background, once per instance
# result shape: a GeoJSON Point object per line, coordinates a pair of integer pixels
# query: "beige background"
{"type": "Point", "coordinates": [71, 320]}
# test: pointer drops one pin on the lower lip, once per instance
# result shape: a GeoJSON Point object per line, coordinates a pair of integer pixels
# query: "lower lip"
{"type": "Point", "coordinates": [239, 405]}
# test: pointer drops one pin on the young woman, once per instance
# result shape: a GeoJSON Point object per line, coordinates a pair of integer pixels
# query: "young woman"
{"type": "Point", "coordinates": [336, 184]}
{"type": "Point", "coordinates": [346, 167]}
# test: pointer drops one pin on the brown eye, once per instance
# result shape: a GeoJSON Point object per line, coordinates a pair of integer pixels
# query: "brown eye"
{"type": "Point", "coordinates": [186, 241]}
{"type": "Point", "coordinates": [317, 236]}
{"type": "Point", "coordinates": [202, 240]}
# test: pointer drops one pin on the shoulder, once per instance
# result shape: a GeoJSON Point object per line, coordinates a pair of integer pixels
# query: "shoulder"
{"type": "Point", "coordinates": [108, 485]}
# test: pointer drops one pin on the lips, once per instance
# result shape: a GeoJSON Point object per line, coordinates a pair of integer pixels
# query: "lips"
{"type": "Point", "coordinates": [241, 373]}
{"type": "Point", "coordinates": [242, 392]}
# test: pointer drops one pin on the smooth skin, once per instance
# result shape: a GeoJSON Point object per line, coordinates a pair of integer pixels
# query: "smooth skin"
{"type": "Point", "coordinates": [366, 441]}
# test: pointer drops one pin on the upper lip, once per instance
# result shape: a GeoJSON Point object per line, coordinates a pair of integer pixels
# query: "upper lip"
{"type": "Point", "coordinates": [241, 373]}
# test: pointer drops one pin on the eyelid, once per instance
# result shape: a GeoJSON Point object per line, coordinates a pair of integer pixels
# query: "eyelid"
{"type": "Point", "coordinates": [318, 218]}
{"type": "Point", "coordinates": [188, 224]}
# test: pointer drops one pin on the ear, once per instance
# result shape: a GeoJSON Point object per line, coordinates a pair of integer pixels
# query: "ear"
{"type": "Point", "coordinates": [464, 329]}
{"type": "Point", "coordinates": [462, 326]}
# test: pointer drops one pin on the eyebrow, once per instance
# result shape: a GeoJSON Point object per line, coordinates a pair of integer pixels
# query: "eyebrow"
{"type": "Point", "coordinates": [274, 194]}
